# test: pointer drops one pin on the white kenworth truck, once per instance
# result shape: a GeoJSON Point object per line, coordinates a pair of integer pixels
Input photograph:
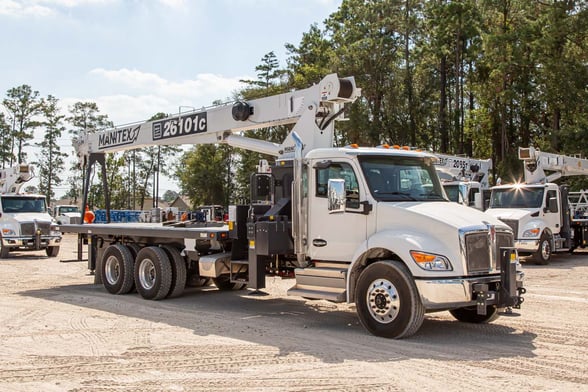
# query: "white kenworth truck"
{"type": "Point", "coordinates": [545, 217]}
{"type": "Point", "coordinates": [370, 226]}
{"type": "Point", "coordinates": [24, 218]}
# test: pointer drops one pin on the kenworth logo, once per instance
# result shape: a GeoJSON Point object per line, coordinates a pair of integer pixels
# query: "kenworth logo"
{"type": "Point", "coordinates": [118, 137]}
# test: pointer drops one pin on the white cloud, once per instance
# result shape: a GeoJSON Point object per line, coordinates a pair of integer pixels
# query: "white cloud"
{"type": "Point", "coordinates": [21, 8]}
{"type": "Point", "coordinates": [173, 3]}
{"type": "Point", "coordinates": [43, 8]}
{"type": "Point", "coordinates": [142, 94]}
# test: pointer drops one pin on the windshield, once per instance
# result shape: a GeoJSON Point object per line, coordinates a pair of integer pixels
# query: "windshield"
{"type": "Point", "coordinates": [63, 210]}
{"type": "Point", "coordinates": [394, 178]}
{"type": "Point", "coordinates": [517, 197]}
{"type": "Point", "coordinates": [452, 192]}
{"type": "Point", "coordinates": [23, 204]}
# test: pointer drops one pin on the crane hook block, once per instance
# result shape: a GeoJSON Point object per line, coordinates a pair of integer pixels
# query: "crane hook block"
{"type": "Point", "coordinates": [241, 111]}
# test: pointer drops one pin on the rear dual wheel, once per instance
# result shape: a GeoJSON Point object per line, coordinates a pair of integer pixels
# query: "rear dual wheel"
{"type": "Point", "coordinates": [117, 269]}
{"type": "Point", "coordinates": [179, 271]}
{"type": "Point", "coordinates": [153, 273]}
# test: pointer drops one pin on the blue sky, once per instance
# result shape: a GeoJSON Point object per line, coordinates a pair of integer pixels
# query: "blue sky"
{"type": "Point", "coordinates": [135, 58]}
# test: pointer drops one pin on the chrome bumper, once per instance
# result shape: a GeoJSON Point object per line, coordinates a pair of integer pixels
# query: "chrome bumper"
{"type": "Point", "coordinates": [527, 245]}
{"type": "Point", "coordinates": [442, 294]}
{"type": "Point", "coordinates": [29, 242]}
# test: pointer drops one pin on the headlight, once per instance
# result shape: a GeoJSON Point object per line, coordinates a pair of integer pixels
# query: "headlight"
{"type": "Point", "coordinates": [431, 261]}
{"type": "Point", "coordinates": [54, 228]}
{"type": "Point", "coordinates": [531, 233]}
{"type": "Point", "coordinates": [6, 231]}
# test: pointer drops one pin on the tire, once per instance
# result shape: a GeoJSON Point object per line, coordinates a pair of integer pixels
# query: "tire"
{"type": "Point", "coordinates": [4, 251]}
{"type": "Point", "coordinates": [543, 254]}
{"type": "Point", "coordinates": [117, 269]}
{"type": "Point", "coordinates": [153, 273]}
{"type": "Point", "coordinates": [470, 314]}
{"type": "Point", "coordinates": [197, 281]}
{"type": "Point", "coordinates": [179, 271]}
{"type": "Point", "coordinates": [134, 249]}
{"type": "Point", "coordinates": [387, 301]}
{"type": "Point", "coordinates": [52, 251]}
{"type": "Point", "coordinates": [224, 283]}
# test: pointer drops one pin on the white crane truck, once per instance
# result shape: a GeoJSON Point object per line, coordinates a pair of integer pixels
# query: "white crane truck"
{"type": "Point", "coordinates": [464, 179]}
{"type": "Point", "coordinates": [66, 213]}
{"type": "Point", "coordinates": [545, 217]}
{"type": "Point", "coordinates": [24, 218]}
{"type": "Point", "coordinates": [369, 226]}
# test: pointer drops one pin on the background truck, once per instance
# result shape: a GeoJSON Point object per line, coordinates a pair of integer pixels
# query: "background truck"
{"type": "Point", "coordinates": [464, 179]}
{"type": "Point", "coordinates": [369, 226]}
{"type": "Point", "coordinates": [545, 217]}
{"type": "Point", "coordinates": [24, 218]}
{"type": "Point", "coordinates": [66, 214]}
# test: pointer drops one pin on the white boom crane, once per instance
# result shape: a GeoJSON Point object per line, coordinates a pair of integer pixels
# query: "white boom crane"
{"type": "Point", "coordinates": [537, 163]}
{"type": "Point", "coordinates": [13, 178]}
{"type": "Point", "coordinates": [312, 109]}
{"type": "Point", "coordinates": [358, 224]}
{"type": "Point", "coordinates": [543, 216]}
{"type": "Point", "coordinates": [464, 168]}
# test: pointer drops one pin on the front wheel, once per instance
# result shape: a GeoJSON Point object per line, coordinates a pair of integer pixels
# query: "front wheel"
{"type": "Point", "coordinates": [387, 300]}
{"type": "Point", "coordinates": [52, 251]}
{"type": "Point", "coordinates": [470, 314]}
{"type": "Point", "coordinates": [4, 251]}
{"type": "Point", "coordinates": [543, 254]}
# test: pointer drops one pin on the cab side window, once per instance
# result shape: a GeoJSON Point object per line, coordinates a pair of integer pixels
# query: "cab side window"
{"type": "Point", "coordinates": [550, 195]}
{"type": "Point", "coordinates": [338, 171]}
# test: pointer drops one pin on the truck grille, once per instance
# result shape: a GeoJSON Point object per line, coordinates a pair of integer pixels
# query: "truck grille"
{"type": "Point", "coordinates": [513, 224]}
{"type": "Point", "coordinates": [29, 228]}
{"type": "Point", "coordinates": [75, 220]}
{"type": "Point", "coordinates": [481, 255]}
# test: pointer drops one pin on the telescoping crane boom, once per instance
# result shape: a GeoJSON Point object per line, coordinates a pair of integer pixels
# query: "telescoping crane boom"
{"type": "Point", "coordinates": [464, 179]}
{"type": "Point", "coordinates": [465, 168]}
{"type": "Point", "coordinates": [537, 164]}
{"type": "Point", "coordinates": [312, 109]}
{"type": "Point", "coordinates": [363, 225]}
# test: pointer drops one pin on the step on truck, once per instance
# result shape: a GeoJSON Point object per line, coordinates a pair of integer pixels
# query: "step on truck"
{"type": "Point", "coordinates": [545, 217]}
{"type": "Point", "coordinates": [363, 225]}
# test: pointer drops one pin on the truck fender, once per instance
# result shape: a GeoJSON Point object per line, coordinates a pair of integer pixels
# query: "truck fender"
{"type": "Point", "coordinates": [391, 245]}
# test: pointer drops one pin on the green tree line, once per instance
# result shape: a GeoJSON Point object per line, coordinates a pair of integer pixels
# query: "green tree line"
{"type": "Point", "coordinates": [472, 77]}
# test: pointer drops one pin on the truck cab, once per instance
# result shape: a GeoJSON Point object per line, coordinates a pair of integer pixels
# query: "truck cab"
{"type": "Point", "coordinates": [468, 193]}
{"type": "Point", "coordinates": [27, 225]}
{"type": "Point", "coordinates": [67, 214]}
{"type": "Point", "coordinates": [537, 214]}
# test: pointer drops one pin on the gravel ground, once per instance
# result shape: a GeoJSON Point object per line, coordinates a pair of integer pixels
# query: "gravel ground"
{"type": "Point", "coordinates": [61, 332]}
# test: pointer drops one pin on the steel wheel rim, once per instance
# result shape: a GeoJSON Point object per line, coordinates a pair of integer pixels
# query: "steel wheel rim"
{"type": "Point", "coordinates": [545, 249]}
{"type": "Point", "coordinates": [147, 274]}
{"type": "Point", "coordinates": [383, 301]}
{"type": "Point", "coordinates": [112, 270]}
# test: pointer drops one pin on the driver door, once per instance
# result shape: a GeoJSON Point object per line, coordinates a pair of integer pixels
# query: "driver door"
{"type": "Point", "coordinates": [335, 236]}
